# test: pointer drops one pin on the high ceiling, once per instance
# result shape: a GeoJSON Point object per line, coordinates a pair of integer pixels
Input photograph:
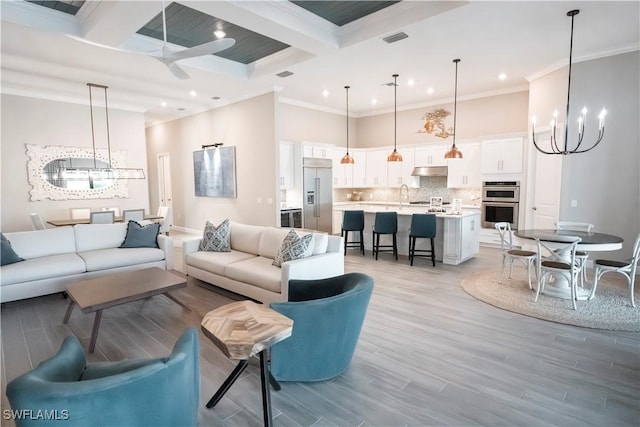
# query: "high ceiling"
{"type": "Point", "coordinates": [52, 49]}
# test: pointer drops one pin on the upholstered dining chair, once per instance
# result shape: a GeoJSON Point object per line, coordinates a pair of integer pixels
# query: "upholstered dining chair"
{"type": "Point", "coordinates": [132, 215]}
{"type": "Point", "coordinates": [166, 222]}
{"type": "Point", "coordinates": [561, 260]}
{"type": "Point", "coordinates": [328, 315]}
{"type": "Point", "coordinates": [163, 391]}
{"type": "Point", "coordinates": [36, 222]}
{"type": "Point", "coordinates": [626, 268]}
{"type": "Point", "coordinates": [102, 217]}
{"type": "Point", "coordinates": [511, 253]}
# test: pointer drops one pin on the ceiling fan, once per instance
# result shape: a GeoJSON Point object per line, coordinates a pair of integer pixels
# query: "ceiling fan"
{"type": "Point", "coordinates": [169, 57]}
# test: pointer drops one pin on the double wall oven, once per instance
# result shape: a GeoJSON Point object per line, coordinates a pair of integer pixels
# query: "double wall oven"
{"type": "Point", "coordinates": [500, 200]}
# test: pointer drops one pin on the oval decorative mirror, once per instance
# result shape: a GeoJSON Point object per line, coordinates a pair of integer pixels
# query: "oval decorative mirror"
{"type": "Point", "coordinates": [60, 173]}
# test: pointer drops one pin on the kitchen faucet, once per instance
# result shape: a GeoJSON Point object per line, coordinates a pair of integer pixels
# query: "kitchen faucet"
{"type": "Point", "coordinates": [403, 186]}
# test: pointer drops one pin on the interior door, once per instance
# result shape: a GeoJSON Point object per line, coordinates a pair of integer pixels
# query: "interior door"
{"type": "Point", "coordinates": [546, 176]}
{"type": "Point", "coordinates": [164, 180]}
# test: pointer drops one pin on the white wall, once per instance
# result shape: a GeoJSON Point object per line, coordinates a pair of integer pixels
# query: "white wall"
{"type": "Point", "coordinates": [250, 127]}
{"type": "Point", "coordinates": [503, 114]}
{"type": "Point", "coordinates": [605, 181]}
{"type": "Point", "coordinates": [41, 122]}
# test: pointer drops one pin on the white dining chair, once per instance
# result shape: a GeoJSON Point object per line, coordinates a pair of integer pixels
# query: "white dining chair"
{"type": "Point", "coordinates": [80, 213]}
{"type": "Point", "coordinates": [36, 222]}
{"type": "Point", "coordinates": [166, 222]}
{"type": "Point", "coordinates": [561, 260]}
{"type": "Point", "coordinates": [102, 217]}
{"type": "Point", "coordinates": [626, 268]}
{"type": "Point", "coordinates": [581, 256]}
{"type": "Point", "coordinates": [509, 252]}
{"type": "Point", "coordinates": [132, 215]}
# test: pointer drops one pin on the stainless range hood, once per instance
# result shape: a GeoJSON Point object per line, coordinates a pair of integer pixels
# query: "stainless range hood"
{"type": "Point", "coordinates": [430, 171]}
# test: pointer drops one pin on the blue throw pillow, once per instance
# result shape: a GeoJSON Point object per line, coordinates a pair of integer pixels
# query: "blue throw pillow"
{"type": "Point", "coordinates": [141, 237]}
{"type": "Point", "coordinates": [8, 255]}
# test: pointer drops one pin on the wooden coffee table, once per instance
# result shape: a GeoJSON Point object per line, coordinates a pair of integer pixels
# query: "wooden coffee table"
{"type": "Point", "coordinates": [94, 295]}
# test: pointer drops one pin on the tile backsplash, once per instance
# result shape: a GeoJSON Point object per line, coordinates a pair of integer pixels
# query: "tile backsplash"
{"type": "Point", "coordinates": [430, 186]}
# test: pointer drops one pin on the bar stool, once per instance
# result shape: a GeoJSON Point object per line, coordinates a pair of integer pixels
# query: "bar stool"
{"type": "Point", "coordinates": [385, 223]}
{"type": "Point", "coordinates": [423, 226]}
{"type": "Point", "coordinates": [353, 221]}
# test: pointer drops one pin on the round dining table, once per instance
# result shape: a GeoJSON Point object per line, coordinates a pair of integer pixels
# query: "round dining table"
{"type": "Point", "coordinates": [590, 242]}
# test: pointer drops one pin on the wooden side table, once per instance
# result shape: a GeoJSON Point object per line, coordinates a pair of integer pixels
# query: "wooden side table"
{"type": "Point", "coordinates": [241, 330]}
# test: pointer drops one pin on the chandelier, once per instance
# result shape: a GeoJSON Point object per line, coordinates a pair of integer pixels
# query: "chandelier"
{"type": "Point", "coordinates": [395, 156]}
{"type": "Point", "coordinates": [563, 148]}
{"type": "Point", "coordinates": [347, 159]}
{"type": "Point", "coordinates": [454, 152]}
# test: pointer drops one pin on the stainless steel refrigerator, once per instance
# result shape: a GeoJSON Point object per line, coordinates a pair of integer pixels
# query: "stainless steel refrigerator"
{"type": "Point", "coordinates": [317, 190]}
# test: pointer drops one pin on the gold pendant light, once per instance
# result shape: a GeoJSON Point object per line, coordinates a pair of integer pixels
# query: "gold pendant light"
{"type": "Point", "coordinates": [347, 159]}
{"type": "Point", "coordinates": [395, 156]}
{"type": "Point", "coordinates": [453, 152]}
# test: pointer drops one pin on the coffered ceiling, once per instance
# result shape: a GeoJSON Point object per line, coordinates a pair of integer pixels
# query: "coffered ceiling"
{"type": "Point", "coordinates": [52, 49]}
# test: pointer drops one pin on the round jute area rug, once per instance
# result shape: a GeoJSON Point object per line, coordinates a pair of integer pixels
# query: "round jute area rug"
{"type": "Point", "coordinates": [610, 309]}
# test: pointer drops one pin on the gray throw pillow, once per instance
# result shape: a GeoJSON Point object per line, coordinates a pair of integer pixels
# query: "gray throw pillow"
{"type": "Point", "coordinates": [293, 247]}
{"type": "Point", "coordinates": [139, 236]}
{"type": "Point", "coordinates": [216, 239]}
{"type": "Point", "coordinates": [8, 255]}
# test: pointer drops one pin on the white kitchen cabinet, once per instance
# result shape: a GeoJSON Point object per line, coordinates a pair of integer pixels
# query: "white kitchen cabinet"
{"type": "Point", "coordinates": [287, 172]}
{"type": "Point", "coordinates": [319, 151]}
{"type": "Point", "coordinates": [465, 172]}
{"type": "Point", "coordinates": [502, 155]}
{"type": "Point", "coordinates": [461, 238]}
{"type": "Point", "coordinates": [336, 226]}
{"type": "Point", "coordinates": [399, 173]}
{"type": "Point", "coordinates": [432, 155]}
{"type": "Point", "coordinates": [376, 168]}
{"type": "Point", "coordinates": [359, 168]}
{"type": "Point", "coordinates": [342, 173]}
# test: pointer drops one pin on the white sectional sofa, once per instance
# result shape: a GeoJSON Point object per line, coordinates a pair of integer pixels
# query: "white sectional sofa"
{"type": "Point", "coordinates": [248, 269]}
{"type": "Point", "coordinates": [58, 256]}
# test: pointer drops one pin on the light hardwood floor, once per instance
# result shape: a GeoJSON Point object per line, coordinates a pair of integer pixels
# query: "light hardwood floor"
{"type": "Point", "coordinates": [429, 354]}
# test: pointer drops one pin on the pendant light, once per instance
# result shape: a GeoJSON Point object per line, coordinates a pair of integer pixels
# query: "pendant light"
{"type": "Point", "coordinates": [453, 152]}
{"type": "Point", "coordinates": [109, 172]}
{"type": "Point", "coordinates": [395, 156]}
{"type": "Point", "coordinates": [556, 147]}
{"type": "Point", "coordinates": [347, 159]}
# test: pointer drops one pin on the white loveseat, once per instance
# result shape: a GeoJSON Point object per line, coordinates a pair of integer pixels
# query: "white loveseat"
{"type": "Point", "coordinates": [55, 257]}
{"type": "Point", "coordinates": [248, 269]}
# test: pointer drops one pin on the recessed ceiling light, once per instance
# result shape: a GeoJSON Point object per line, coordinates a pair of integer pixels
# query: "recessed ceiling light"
{"type": "Point", "coordinates": [411, 82]}
{"type": "Point", "coordinates": [502, 76]}
{"type": "Point", "coordinates": [164, 104]}
{"type": "Point", "coordinates": [325, 93]}
{"type": "Point", "coordinates": [374, 101]}
{"type": "Point", "coordinates": [430, 90]}
{"type": "Point", "coordinates": [219, 34]}
{"type": "Point", "coordinates": [193, 93]}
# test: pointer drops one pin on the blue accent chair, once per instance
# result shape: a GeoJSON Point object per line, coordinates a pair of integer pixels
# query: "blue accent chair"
{"type": "Point", "coordinates": [327, 318]}
{"type": "Point", "coordinates": [151, 392]}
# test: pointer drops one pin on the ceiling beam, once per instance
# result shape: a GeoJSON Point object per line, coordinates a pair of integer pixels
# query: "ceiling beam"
{"type": "Point", "coordinates": [113, 22]}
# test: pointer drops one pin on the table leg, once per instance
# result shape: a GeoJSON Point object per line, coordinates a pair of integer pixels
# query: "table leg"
{"type": "Point", "coordinates": [266, 395]}
{"type": "Point", "coordinates": [177, 301]}
{"type": "Point", "coordinates": [94, 332]}
{"type": "Point", "coordinates": [227, 383]}
{"type": "Point", "coordinates": [67, 315]}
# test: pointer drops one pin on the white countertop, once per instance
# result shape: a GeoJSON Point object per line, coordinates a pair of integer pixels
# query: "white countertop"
{"type": "Point", "coordinates": [369, 207]}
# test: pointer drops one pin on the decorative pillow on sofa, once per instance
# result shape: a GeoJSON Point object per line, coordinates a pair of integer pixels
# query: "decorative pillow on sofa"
{"type": "Point", "coordinates": [216, 239]}
{"type": "Point", "coordinates": [139, 236]}
{"type": "Point", "coordinates": [9, 256]}
{"type": "Point", "coordinates": [293, 247]}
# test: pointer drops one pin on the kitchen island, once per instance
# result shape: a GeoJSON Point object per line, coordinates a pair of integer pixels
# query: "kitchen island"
{"type": "Point", "coordinates": [457, 236]}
